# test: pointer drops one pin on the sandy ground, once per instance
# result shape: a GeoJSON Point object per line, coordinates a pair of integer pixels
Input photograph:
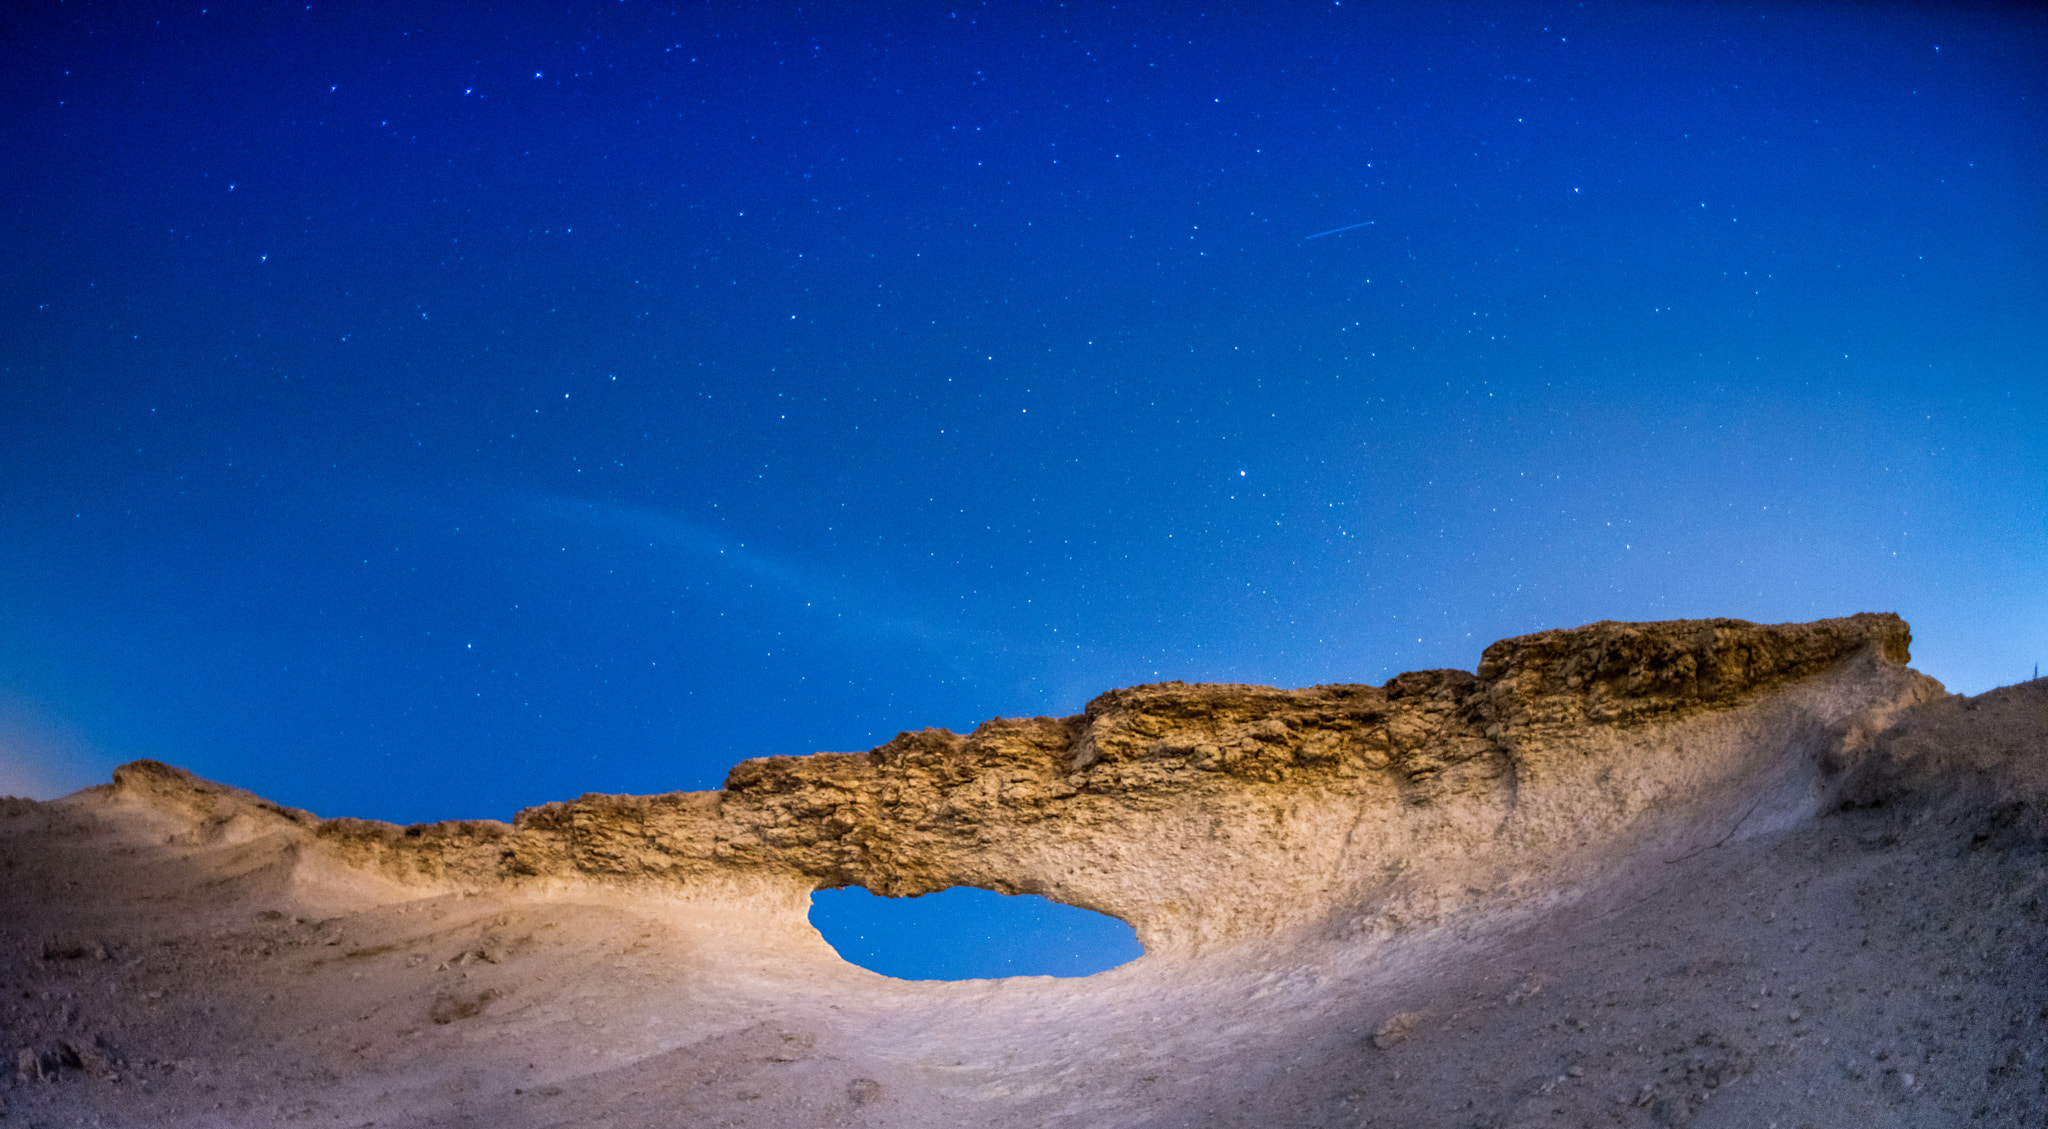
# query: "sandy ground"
{"type": "Point", "coordinates": [1880, 964]}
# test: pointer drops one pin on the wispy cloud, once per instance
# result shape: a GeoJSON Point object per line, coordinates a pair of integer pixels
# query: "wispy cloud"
{"type": "Point", "coordinates": [864, 611]}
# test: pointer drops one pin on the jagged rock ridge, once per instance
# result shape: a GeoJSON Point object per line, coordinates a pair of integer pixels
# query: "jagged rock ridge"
{"type": "Point", "coordinates": [1705, 872]}
{"type": "Point", "coordinates": [1201, 812]}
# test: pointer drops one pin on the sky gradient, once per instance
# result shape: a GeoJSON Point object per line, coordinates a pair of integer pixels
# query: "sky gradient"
{"type": "Point", "coordinates": [422, 413]}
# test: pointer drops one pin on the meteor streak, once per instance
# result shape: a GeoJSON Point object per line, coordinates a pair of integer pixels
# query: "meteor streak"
{"type": "Point", "coordinates": [1335, 230]}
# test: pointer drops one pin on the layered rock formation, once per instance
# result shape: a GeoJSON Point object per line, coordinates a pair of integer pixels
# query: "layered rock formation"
{"type": "Point", "coordinates": [1298, 863]}
{"type": "Point", "coordinates": [1200, 813]}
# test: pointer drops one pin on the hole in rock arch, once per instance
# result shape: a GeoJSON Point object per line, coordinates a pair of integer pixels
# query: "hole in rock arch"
{"type": "Point", "coordinates": [966, 933]}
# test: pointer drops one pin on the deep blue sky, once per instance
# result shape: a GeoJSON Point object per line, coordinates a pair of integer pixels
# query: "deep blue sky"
{"type": "Point", "coordinates": [422, 411]}
{"type": "Point", "coordinates": [968, 934]}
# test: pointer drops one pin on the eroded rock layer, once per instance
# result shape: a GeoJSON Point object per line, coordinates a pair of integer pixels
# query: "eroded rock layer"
{"type": "Point", "coordinates": [1698, 873]}
{"type": "Point", "coordinates": [1203, 812]}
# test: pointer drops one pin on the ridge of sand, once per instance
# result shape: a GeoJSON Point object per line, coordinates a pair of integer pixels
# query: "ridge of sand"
{"type": "Point", "coordinates": [1701, 872]}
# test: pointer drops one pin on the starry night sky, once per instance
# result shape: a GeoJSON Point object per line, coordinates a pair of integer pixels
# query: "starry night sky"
{"type": "Point", "coordinates": [423, 411]}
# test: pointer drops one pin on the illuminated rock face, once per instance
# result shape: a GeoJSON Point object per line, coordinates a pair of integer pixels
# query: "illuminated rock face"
{"type": "Point", "coordinates": [1399, 902]}
{"type": "Point", "coordinates": [1200, 813]}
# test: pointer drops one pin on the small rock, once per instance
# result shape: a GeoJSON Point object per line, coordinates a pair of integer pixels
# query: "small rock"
{"type": "Point", "coordinates": [73, 949]}
{"type": "Point", "coordinates": [28, 1066]}
{"type": "Point", "coordinates": [1395, 1029]}
{"type": "Point", "coordinates": [864, 1091]}
{"type": "Point", "coordinates": [94, 1058]}
{"type": "Point", "coordinates": [449, 1007]}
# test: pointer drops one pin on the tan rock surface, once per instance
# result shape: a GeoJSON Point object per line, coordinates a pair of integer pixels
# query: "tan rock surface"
{"type": "Point", "coordinates": [1698, 872]}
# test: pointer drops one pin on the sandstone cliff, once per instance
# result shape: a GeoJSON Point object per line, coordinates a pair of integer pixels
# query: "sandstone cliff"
{"type": "Point", "coordinates": [1704, 872]}
{"type": "Point", "coordinates": [1204, 812]}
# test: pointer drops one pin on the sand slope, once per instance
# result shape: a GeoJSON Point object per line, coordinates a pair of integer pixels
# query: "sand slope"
{"type": "Point", "coordinates": [1700, 873]}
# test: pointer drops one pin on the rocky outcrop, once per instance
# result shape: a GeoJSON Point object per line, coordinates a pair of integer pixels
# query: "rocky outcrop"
{"type": "Point", "coordinates": [1201, 813]}
{"type": "Point", "coordinates": [1630, 873]}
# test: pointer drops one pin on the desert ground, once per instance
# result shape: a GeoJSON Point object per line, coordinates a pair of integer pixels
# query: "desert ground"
{"type": "Point", "coordinates": [1695, 873]}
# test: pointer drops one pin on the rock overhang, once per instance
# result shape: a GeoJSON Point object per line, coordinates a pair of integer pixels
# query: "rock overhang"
{"type": "Point", "coordinates": [1203, 813]}
{"type": "Point", "coordinates": [1602, 834]}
